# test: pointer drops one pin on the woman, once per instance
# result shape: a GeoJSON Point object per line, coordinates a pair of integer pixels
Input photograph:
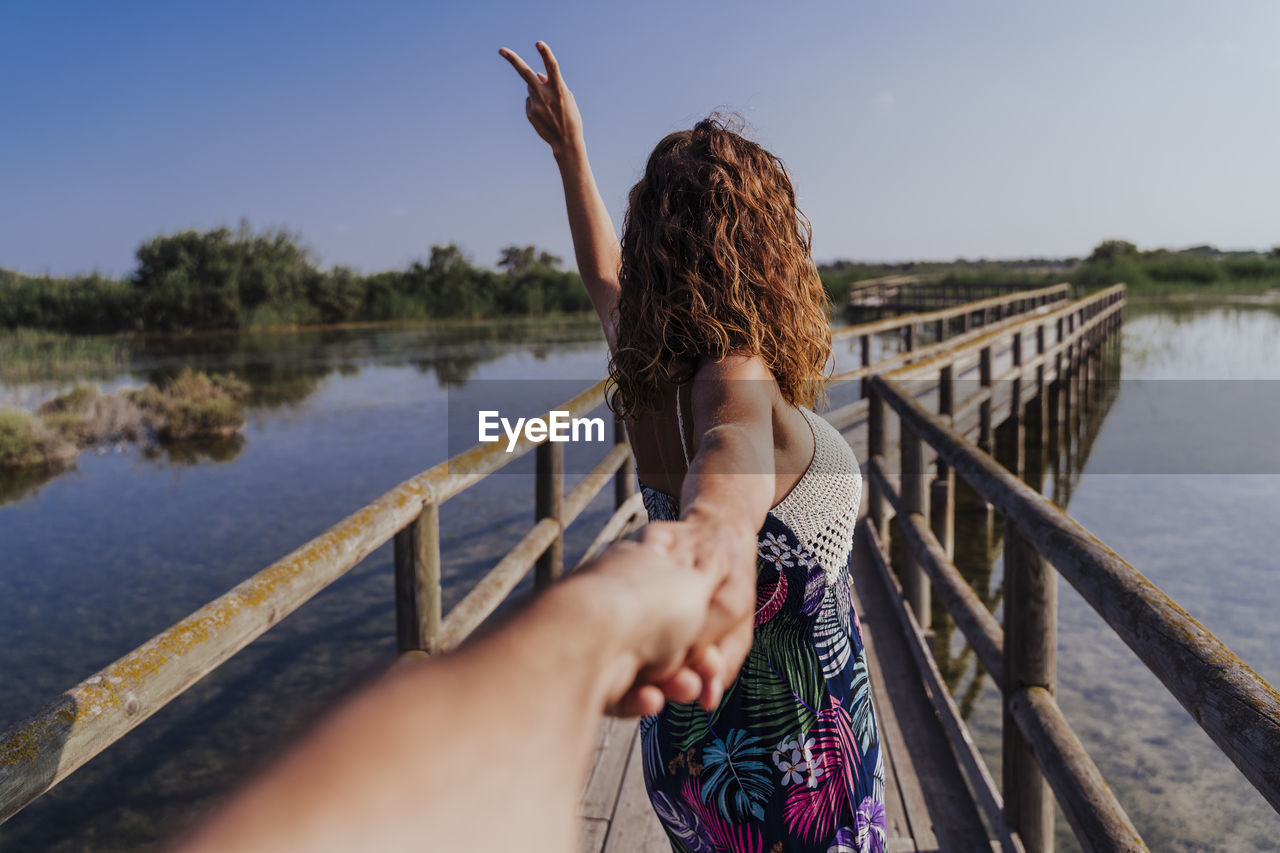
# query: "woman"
{"type": "Point", "coordinates": [718, 336]}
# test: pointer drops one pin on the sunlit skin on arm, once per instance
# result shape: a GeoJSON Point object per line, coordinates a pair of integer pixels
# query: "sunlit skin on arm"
{"type": "Point", "coordinates": [727, 493]}
{"type": "Point", "coordinates": [485, 748]}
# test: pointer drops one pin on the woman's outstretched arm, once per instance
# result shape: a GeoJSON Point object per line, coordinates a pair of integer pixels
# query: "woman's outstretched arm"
{"type": "Point", "coordinates": [552, 111]}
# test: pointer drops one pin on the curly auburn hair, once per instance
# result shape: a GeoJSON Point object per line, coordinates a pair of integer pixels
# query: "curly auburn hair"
{"type": "Point", "coordinates": [716, 260]}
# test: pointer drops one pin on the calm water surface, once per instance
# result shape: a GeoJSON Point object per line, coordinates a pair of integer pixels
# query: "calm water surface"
{"type": "Point", "coordinates": [96, 560]}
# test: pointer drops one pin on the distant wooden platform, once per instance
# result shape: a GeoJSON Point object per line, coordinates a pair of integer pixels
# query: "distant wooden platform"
{"type": "Point", "coordinates": [928, 805]}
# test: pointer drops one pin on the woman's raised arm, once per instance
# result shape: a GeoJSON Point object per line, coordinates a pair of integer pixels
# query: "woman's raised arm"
{"type": "Point", "coordinates": [552, 111]}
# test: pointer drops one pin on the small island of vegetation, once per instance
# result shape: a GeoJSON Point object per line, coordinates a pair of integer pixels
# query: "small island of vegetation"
{"type": "Point", "coordinates": [192, 405]}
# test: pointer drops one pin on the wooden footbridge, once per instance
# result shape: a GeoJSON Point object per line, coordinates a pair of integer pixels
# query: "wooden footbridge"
{"type": "Point", "coordinates": [894, 295]}
{"type": "Point", "coordinates": [1030, 363]}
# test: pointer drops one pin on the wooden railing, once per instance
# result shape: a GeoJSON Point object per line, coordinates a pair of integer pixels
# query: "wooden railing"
{"type": "Point", "coordinates": [982, 311]}
{"type": "Point", "coordinates": [1041, 753]}
{"type": "Point", "coordinates": [922, 292]}
{"type": "Point", "coordinates": [37, 753]}
{"type": "Point", "coordinates": [40, 751]}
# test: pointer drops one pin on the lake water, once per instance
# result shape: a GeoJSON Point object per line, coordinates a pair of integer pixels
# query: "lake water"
{"type": "Point", "coordinates": [96, 560]}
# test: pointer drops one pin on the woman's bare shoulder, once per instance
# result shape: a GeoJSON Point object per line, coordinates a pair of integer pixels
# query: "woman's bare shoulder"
{"type": "Point", "coordinates": [734, 366]}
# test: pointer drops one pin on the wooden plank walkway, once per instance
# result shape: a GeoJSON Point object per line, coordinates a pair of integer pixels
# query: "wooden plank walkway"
{"type": "Point", "coordinates": [928, 804]}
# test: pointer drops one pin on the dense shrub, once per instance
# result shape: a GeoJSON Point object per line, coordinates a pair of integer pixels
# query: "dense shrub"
{"type": "Point", "coordinates": [193, 405]}
{"type": "Point", "coordinates": [1176, 266]}
{"type": "Point", "coordinates": [1107, 272]}
{"type": "Point", "coordinates": [224, 279]}
{"type": "Point", "coordinates": [1252, 267]}
{"type": "Point", "coordinates": [26, 442]}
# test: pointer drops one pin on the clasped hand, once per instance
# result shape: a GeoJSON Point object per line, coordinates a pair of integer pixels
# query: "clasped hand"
{"type": "Point", "coordinates": [685, 592]}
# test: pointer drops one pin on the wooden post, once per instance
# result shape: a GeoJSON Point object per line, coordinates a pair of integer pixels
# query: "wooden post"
{"type": "Point", "coordinates": [965, 321]}
{"type": "Point", "coordinates": [984, 408]}
{"type": "Point", "coordinates": [1030, 659]}
{"type": "Point", "coordinates": [624, 482]}
{"type": "Point", "coordinates": [1042, 404]}
{"type": "Point", "coordinates": [943, 497]}
{"type": "Point", "coordinates": [915, 499]}
{"type": "Point", "coordinates": [942, 330]}
{"type": "Point", "coordinates": [1076, 410]}
{"type": "Point", "coordinates": [1086, 359]}
{"type": "Point", "coordinates": [418, 597]}
{"type": "Point", "coordinates": [1068, 408]}
{"type": "Point", "coordinates": [909, 331]}
{"type": "Point", "coordinates": [1015, 410]}
{"type": "Point", "coordinates": [865, 340]}
{"type": "Point", "coordinates": [875, 447]}
{"type": "Point", "coordinates": [548, 499]}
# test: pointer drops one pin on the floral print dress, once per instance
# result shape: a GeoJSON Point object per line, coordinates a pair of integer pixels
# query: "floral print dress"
{"type": "Point", "coordinates": [790, 760]}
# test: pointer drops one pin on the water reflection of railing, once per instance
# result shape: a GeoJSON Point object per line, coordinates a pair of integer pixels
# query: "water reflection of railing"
{"type": "Point", "coordinates": [1053, 444]}
{"type": "Point", "coordinates": [37, 753]}
{"type": "Point", "coordinates": [1041, 753]}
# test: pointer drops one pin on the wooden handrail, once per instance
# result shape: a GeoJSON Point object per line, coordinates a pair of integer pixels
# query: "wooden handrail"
{"type": "Point", "coordinates": [930, 363]}
{"type": "Point", "coordinates": [1095, 815]}
{"type": "Point", "coordinates": [889, 324]}
{"type": "Point", "coordinates": [1237, 708]}
{"type": "Point", "coordinates": [941, 349]}
{"type": "Point", "coordinates": [979, 627]}
{"type": "Point", "coordinates": [494, 587]}
{"type": "Point", "coordinates": [1041, 737]}
{"type": "Point", "coordinates": [41, 750]}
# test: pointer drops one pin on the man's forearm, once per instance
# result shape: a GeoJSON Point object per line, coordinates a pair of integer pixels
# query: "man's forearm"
{"type": "Point", "coordinates": [512, 718]}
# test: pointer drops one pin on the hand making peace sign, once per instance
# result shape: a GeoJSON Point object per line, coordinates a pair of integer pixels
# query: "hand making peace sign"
{"type": "Point", "coordinates": [550, 107]}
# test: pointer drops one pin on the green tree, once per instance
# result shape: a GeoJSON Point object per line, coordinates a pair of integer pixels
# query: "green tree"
{"type": "Point", "coordinates": [1110, 250]}
{"type": "Point", "coordinates": [337, 295]}
{"type": "Point", "coordinates": [518, 259]}
{"type": "Point", "coordinates": [189, 281]}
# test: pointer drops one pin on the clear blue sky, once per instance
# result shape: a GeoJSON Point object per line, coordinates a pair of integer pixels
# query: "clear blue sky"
{"type": "Point", "coordinates": [374, 129]}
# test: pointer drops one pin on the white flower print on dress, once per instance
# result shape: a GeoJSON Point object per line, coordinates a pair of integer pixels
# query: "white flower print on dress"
{"type": "Point", "coordinates": [784, 751]}
{"type": "Point", "coordinates": [776, 550]}
{"type": "Point", "coordinates": [793, 760]}
{"type": "Point", "coordinates": [816, 768]}
{"type": "Point", "coordinates": [792, 772]}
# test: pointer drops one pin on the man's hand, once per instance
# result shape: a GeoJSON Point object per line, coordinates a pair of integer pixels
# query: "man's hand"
{"type": "Point", "coordinates": [698, 564]}
{"type": "Point", "coordinates": [550, 106]}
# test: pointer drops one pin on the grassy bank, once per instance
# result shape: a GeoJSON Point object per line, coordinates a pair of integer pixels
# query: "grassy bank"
{"type": "Point", "coordinates": [192, 405]}
{"type": "Point", "coordinates": [1201, 270]}
{"type": "Point", "coordinates": [223, 280]}
{"type": "Point", "coordinates": [235, 280]}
